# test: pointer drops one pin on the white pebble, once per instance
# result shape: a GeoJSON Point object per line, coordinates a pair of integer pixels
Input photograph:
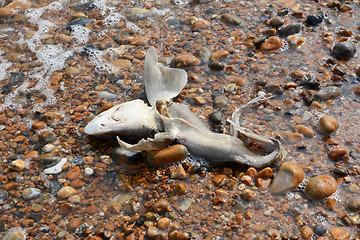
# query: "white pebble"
{"type": "Point", "coordinates": [88, 171]}
{"type": "Point", "coordinates": [57, 168]}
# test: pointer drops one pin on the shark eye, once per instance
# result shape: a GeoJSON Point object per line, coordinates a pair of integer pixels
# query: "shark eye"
{"type": "Point", "coordinates": [102, 125]}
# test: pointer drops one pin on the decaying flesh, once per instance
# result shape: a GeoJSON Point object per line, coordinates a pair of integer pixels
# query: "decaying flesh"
{"type": "Point", "coordinates": [166, 123]}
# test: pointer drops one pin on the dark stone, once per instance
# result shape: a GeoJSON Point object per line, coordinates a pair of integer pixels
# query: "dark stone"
{"type": "Point", "coordinates": [343, 50]}
{"type": "Point", "coordinates": [36, 216]}
{"type": "Point", "coordinates": [291, 29]}
{"type": "Point", "coordinates": [217, 118]}
{"type": "Point", "coordinates": [320, 229]}
{"type": "Point", "coordinates": [16, 78]}
{"type": "Point", "coordinates": [312, 20]}
{"type": "Point", "coordinates": [89, 50]}
{"type": "Point", "coordinates": [310, 83]}
{"type": "Point", "coordinates": [217, 66]}
{"type": "Point", "coordinates": [78, 21]}
{"type": "Point", "coordinates": [329, 92]}
{"type": "Point", "coordinates": [6, 89]}
{"type": "Point", "coordinates": [340, 171]}
{"type": "Point", "coordinates": [3, 194]}
{"type": "Point", "coordinates": [259, 41]}
{"type": "Point", "coordinates": [88, 6]}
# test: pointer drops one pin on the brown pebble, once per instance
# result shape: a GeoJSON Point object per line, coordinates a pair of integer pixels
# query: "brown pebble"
{"type": "Point", "coordinates": [321, 187]}
{"type": "Point", "coordinates": [330, 203]}
{"type": "Point", "coordinates": [163, 223]}
{"type": "Point", "coordinates": [179, 172]}
{"type": "Point", "coordinates": [271, 44]}
{"type": "Point", "coordinates": [251, 172]}
{"type": "Point", "coordinates": [200, 24]}
{"type": "Point", "coordinates": [357, 90]}
{"type": "Point", "coordinates": [306, 232]}
{"type": "Point", "coordinates": [265, 173]}
{"type": "Point", "coordinates": [337, 153]}
{"type": "Point", "coordinates": [162, 205]}
{"type": "Point", "coordinates": [238, 218]}
{"type": "Point", "coordinates": [328, 124]}
{"type": "Point", "coordinates": [293, 137]}
{"type": "Point", "coordinates": [73, 173]}
{"type": "Point", "coordinates": [219, 179]}
{"type": "Point", "coordinates": [66, 192]}
{"type": "Point", "coordinates": [184, 61]}
{"type": "Point", "coordinates": [180, 189]}
{"type": "Point", "coordinates": [289, 176]}
{"type": "Point", "coordinates": [339, 233]}
{"type": "Point", "coordinates": [47, 136]}
{"type": "Point", "coordinates": [219, 55]}
{"type": "Point", "coordinates": [305, 130]}
{"type": "Point", "coordinates": [38, 125]}
{"type": "Point", "coordinates": [73, 224]}
{"type": "Point", "coordinates": [172, 154]}
{"type": "Point", "coordinates": [77, 183]}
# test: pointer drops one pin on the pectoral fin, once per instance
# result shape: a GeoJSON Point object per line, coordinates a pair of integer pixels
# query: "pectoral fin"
{"type": "Point", "coordinates": [160, 141]}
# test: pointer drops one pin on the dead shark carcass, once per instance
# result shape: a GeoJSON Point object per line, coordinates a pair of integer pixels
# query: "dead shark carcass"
{"type": "Point", "coordinates": [165, 123]}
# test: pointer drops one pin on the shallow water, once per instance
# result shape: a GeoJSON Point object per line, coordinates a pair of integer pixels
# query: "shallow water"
{"type": "Point", "coordinates": [63, 75]}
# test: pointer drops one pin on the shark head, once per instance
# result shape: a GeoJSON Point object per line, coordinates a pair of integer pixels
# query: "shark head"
{"type": "Point", "coordinates": [131, 120]}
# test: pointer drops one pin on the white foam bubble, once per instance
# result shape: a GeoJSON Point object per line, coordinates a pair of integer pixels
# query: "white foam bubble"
{"type": "Point", "coordinates": [4, 65]}
{"type": "Point", "coordinates": [80, 34]}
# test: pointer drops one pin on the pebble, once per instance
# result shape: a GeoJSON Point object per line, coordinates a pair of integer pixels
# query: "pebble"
{"type": "Point", "coordinates": [217, 118]}
{"type": "Point", "coordinates": [296, 40]}
{"type": "Point", "coordinates": [291, 29]}
{"type": "Point", "coordinates": [162, 205]}
{"type": "Point", "coordinates": [353, 204]}
{"type": "Point", "coordinates": [200, 24]}
{"type": "Point", "coordinates": [17, 165]}
{"type": "Point", "coordinates": [88, 171]}
{"type": "Point", "coordinates": [329, 92]}
{"type": "Point", "coordinates": [320, 229]}
{"type": "Point", "coordinates": [78, 21]}
{"type": "Point", "coordinates": [274, 89]}
{"type": "Point", "coordinates": [313, 20]}
{"type": "Point", "coordinates": [185, 60]}
{"type": "Point", "coordinates": [271, 44]}
{"type": "Point", "coordinates": [163, 223]}
{"type": "Point", "coordinates": [220, 101]}
{"type": "Point", "coordinates": [179, 172]}
{"type": "Point", "coordinates": [119, 200]}
{"type": "Point", "coordinates": [155, 233]}
{"type": "Point", "coordinates": [47, 136]}
{"type": "Point", "coordinates": [219, 55]}
{"type": "Point", "coordinates": [217, 66]}
{"type": "Point", "coordinates": [328, 124]}
{"type": "Point", "coordinates": [276, 22]}
{"type": "Point", "coordinates": [306, 232]}
{"type": "Point", "coordinates": [339, 233]}
{"type": "Point", "coordinates": [321, 187]}
{"type": "Point", "coordinates": [48, 148]}
{"type": "Point", "coordinates": [219, 179]}
{"type": "Point", "coordinates": [38, 125]}
{"type": "Point", "coordinates": [3, 195]}
{"type": "Point", "coordinates": [57, 168]}
{"type": "Point", "coordinates": [108, 96]}
{"type": "Point", "coordinates": [343, 50]}
{"type": "Point", "coordinates": [337, 153]}
{"type": "Point", "coordinates": [30, 193]}
{"type": "Point", "coordinates": [66, 192]}
{"type": "Point", "coordinates": [73, 173]}
{"type": "Point", "coordinates": [357, 90]}
{"type": "Point", "coordinates": [231, 19]}
{"type": "Point", "coordinates": [306, 131]}
{"type": "Point", "coordinates": [289, 176]}
{"type": "Point", "coordinates": [175, 153]}
{"type": "Point", "coordinates": [73, 224]}
{"type": "Point", "coordinates": [14, 234]}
